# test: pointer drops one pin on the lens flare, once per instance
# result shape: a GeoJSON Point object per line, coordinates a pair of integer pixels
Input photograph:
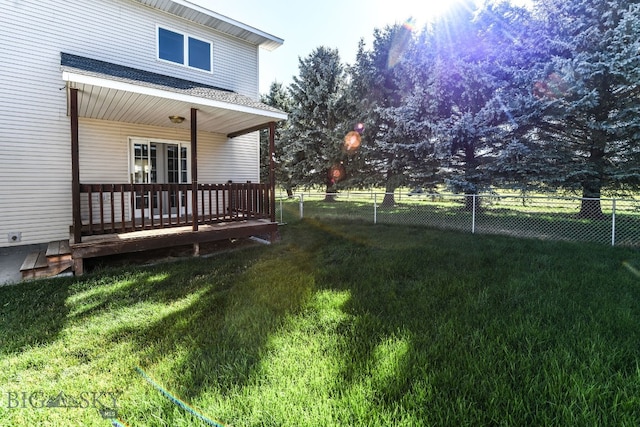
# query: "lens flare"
{"type": "Point", "coordinates": [409, 24]}
{"type": "Point", "coordinates": [553, 87]}
{"type": "Point", "coordinates": [400, 43]}
{"type": "Point", "coordinates": [352, 142]}
{"type": "Point", "coordinates": [336, 173]}
{"type": "Point", "coordinates": [631, 268]}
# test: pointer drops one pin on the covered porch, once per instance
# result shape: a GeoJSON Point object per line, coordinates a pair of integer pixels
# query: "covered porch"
{"type": "Point", "coordinates": [119, 217]}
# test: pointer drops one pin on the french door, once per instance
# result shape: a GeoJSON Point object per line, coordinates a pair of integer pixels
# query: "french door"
{"type": "Point", "coordinates": [160, 162]}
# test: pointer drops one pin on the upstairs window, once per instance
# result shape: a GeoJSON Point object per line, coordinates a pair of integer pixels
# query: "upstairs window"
{"type": "Point", "coordinates": [183, 49]}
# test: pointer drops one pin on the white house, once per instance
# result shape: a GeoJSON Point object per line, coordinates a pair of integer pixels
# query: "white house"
{"type": "Point", "coordinates": [129, 116]}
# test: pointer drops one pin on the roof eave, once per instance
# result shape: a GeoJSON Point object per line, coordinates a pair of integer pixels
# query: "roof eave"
{"type": "Point", "coordinates": [68, 76]}
{"type": "Point", "coordinates": [201, 15]}
{"type": "Point", "coordinates": [111, 100]}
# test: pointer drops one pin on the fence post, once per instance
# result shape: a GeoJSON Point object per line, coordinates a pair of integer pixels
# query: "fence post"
{"type": "Point", "coordinates": [473, 215]}
{"type": "Point", "coordinates": [613, 222]}
{"type": "Point", "coordinates": [301, 206]}
{"type": "Point", "coordinates": [281, 218]}
{"type": "Point", "coordinates": [375, 208]}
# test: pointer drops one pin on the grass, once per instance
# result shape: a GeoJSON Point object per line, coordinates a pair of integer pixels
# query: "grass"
{"type": "Point", "coordinates": [340, 323]}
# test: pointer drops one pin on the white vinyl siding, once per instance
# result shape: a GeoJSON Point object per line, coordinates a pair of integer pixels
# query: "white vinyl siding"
{"type": "Point", "coordinates": [104, 152]}
{"type": "Point", "coordinates": [35, 160]}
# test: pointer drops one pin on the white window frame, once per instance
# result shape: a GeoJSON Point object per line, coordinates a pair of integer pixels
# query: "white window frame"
{"type": "Point", "coordinates": [185, 57]}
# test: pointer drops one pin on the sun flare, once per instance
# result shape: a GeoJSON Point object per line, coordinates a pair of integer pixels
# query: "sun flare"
{"type": "Point", "coordinates": [422, 13]}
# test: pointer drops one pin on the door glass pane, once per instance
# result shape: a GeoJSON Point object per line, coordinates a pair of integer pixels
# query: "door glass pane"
{"type": "Point", "coordinates": [183, 165]}
{"type": "Point", "coordinates": [172, 172]}
{"type": "Point", "coordinates": [172, 164]}
{"type": "Point", "coordinates": [183, 171]}
{"type": "Point", "coordinates": [141, 171]}
{"type": "Point", "coordinates": [153, 172]}
{"type": "Point", "coordinates": [153, 160]}
{"type": "Point", "coordinates": [140, 163]}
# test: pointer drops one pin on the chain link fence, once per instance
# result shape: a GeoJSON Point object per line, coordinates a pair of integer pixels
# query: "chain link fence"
{"type": "Point", "coordinates": [608, 221]}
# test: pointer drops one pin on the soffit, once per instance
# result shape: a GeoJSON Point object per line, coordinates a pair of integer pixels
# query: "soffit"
{"type": "Point", "coordinates": [200, 15]}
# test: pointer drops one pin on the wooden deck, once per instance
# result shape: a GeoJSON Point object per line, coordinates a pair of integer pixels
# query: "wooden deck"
{"type": "Point", "coordinates": [112, 219]}
{"type": "Point", "coordinates": [136, 241]}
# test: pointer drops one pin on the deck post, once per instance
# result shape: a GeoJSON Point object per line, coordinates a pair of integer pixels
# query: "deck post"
{"type": "Point", "coordinates": [78, 266]}
{"type": "Point", "coordinates": [272, 171]}
{"type": "Point", "coordinates": [194, 167]}
{"type": "Point", "coordinates": [75, 166]}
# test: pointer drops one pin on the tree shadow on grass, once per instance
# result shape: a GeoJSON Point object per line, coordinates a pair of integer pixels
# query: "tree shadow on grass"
{"type": "Point", "coordinates": [216, 343]}
{"type": "Point", "coordinates": [216, 340]}
{"type": "Point", "coordinates": [392, 310]}
{"type": "Point", "coordinates": [416, 322]}
{"type": "Point", "coordinates": [32, 313]}
{"type": "Point", "coordinates": [158, 276]}
{"type": "Point", "coordinates": [442, 337]}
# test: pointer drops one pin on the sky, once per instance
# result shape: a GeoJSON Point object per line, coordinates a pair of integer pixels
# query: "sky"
{"type": "Point", "coordinates": [306, 25]}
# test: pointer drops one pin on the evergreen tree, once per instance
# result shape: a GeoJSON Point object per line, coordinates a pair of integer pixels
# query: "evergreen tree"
{"type": "Point", "coordinates": [468, 94]}
{"type": "Point", "coordinates": [586, 98]}
{"type": "Point", "coordinates": [391, 132]}
{"type": "Point", "coordinates": [279, 98]}
{"type": "Point", "coordinates": [317, 121]}
{"type": "Point", "coordinates": [518, 43]}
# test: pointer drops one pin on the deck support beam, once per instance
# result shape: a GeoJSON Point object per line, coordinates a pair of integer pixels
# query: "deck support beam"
{"type": "Point", "coordinates": [272, 171]}
{"type": "Point", "coordinates": [78, 266]}
{"type": "Point", "coordinates": [194, 167]}
{"type": "Point", "coordinates": [75, 166]}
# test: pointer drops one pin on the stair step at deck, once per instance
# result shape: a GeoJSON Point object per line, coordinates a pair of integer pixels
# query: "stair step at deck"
{"type": "Point", "coordinates": [55, 260]}
{"type": "Point", "coordinates": [34, 260]}
{"type": "Point", "coordinates": [58, 251]}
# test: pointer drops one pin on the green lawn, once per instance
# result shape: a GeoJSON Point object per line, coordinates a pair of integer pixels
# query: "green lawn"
{"type": "Point", "coordinates": [339, 324]}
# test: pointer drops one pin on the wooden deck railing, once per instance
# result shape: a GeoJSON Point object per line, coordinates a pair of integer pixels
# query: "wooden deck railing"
{"type": "Point", "coordinates": [120, 208]}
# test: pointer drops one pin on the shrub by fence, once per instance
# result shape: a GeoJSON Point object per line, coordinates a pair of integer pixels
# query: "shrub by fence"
{"type": "Point", "coordinates": [617, 222]}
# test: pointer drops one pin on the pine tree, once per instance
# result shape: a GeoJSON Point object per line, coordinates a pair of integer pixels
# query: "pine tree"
{"type": "Point", "coordinates": [518, 44]}
{"type": "Point", "coordinates": [468, 90]}
{"type": "Point", "coordinates": [389, 149]}
{"type": "Point", "coordinates": [586, 97]}
{"type": "Point", "coordinates": [279, 98]}
{"type": "Point", "coordinates": [318, 126]}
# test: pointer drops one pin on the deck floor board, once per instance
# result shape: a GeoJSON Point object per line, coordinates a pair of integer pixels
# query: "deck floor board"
{"type": "Point", "coordinates": [108, 244]}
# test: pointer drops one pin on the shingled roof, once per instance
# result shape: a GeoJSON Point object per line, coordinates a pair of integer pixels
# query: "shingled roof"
{"type": "Point", "coordinates": [120, 73]}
